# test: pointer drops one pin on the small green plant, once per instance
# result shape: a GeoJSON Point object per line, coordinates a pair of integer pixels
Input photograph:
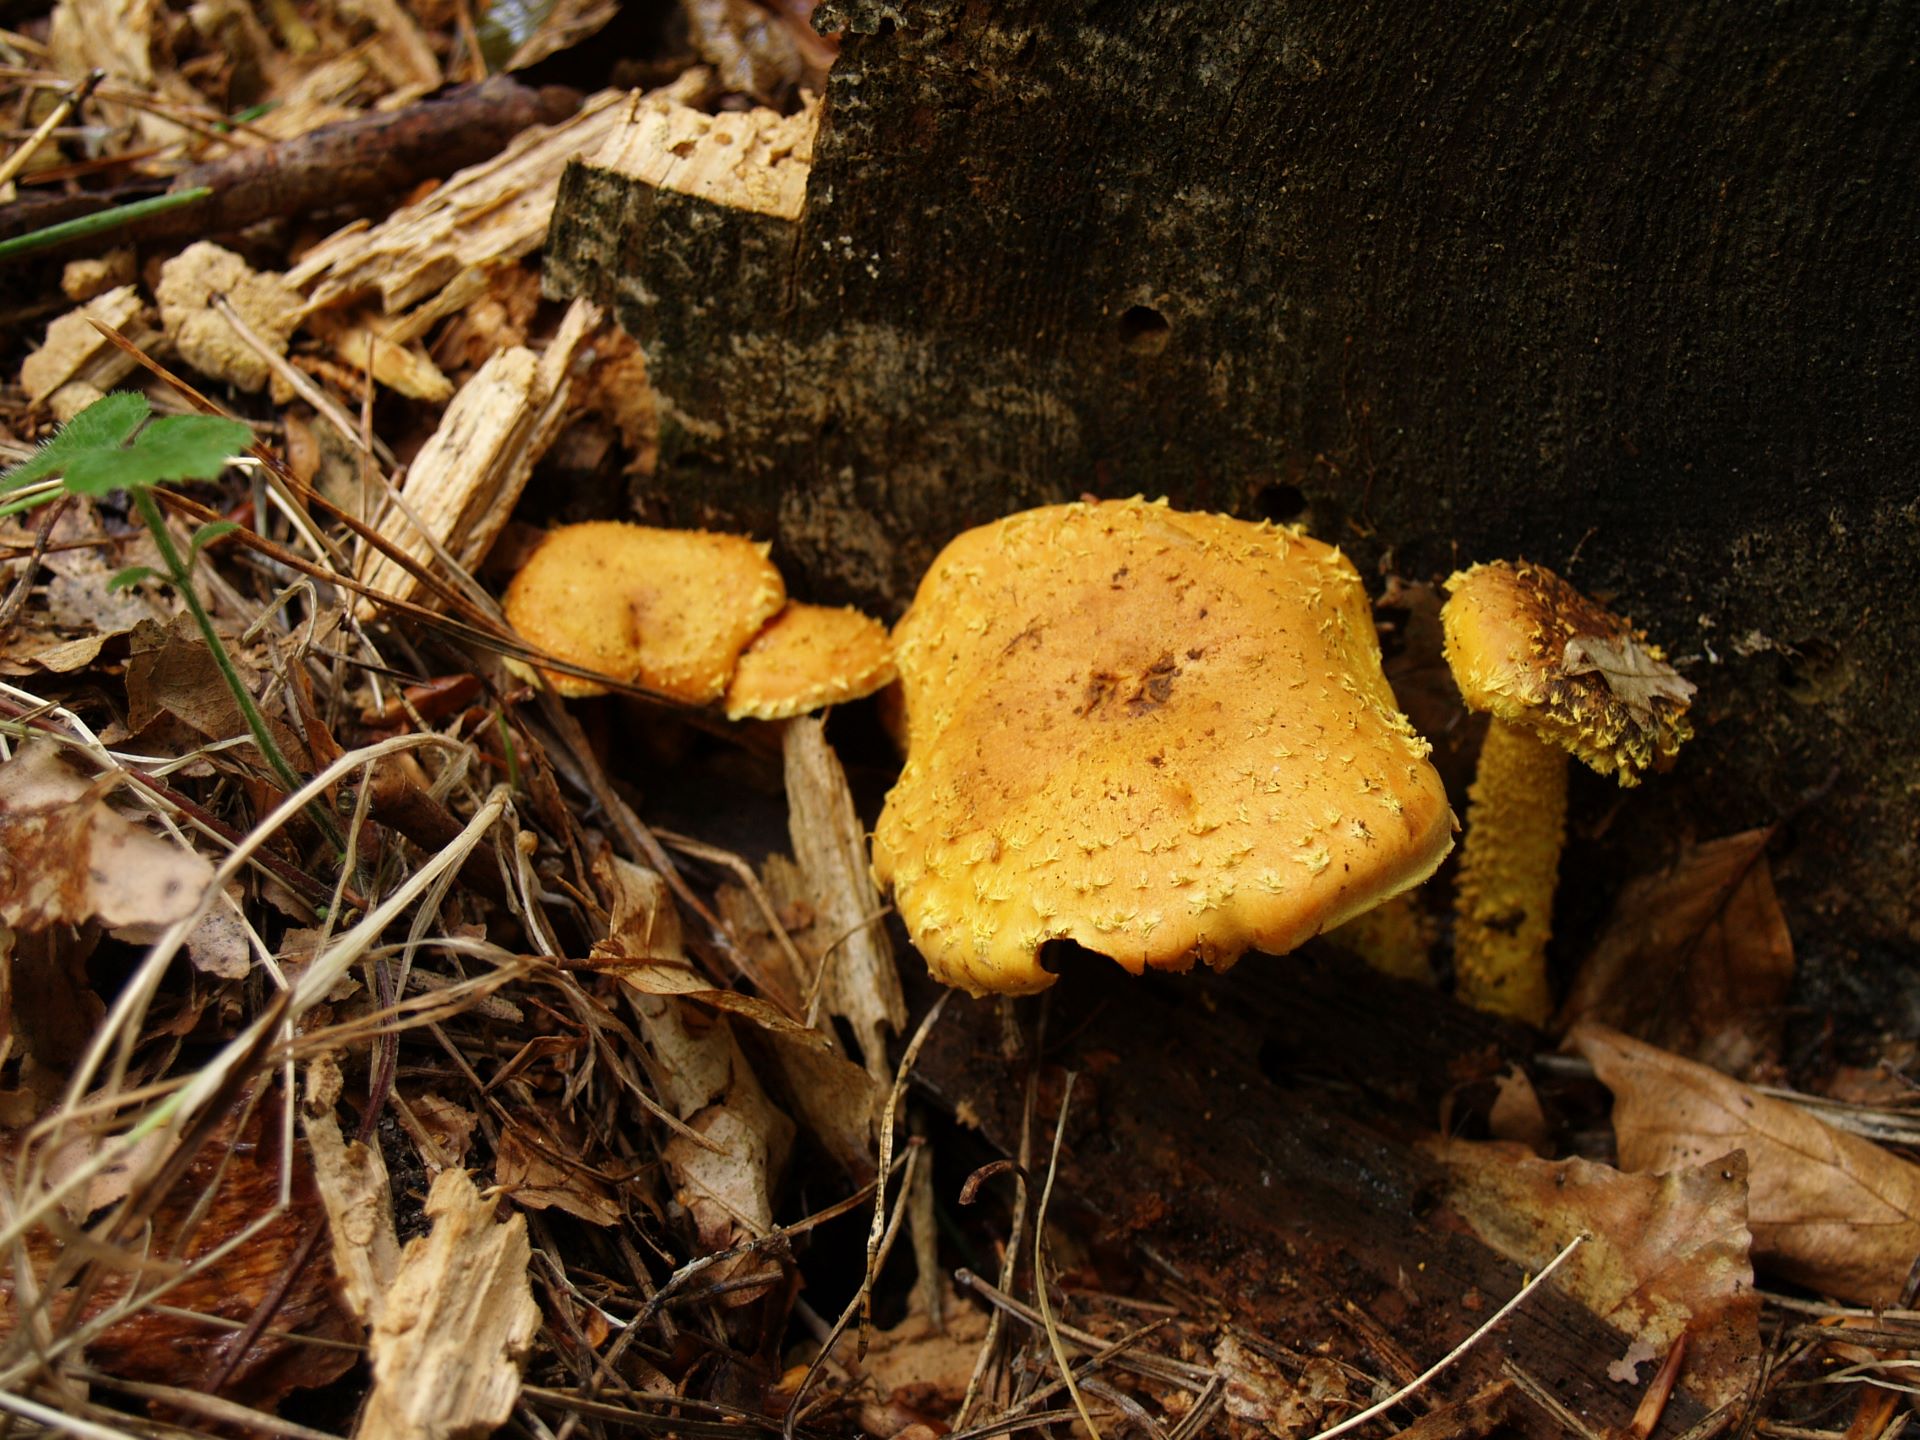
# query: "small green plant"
{"type": "Point", "coordinates": [103, 449]}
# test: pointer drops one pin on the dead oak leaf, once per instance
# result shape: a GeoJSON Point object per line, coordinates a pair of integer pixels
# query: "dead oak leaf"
{"type": "Point", "coordinates": [1637, 676]}
{"type": "Point", "coordinates": [67, 857]}
{"type": "Point", "coordinates": [1667, 1256]}
{"type": "Point", "coordinates": [1828, 1210]}
{"type": "Point", "coordinates": [1696, 959]}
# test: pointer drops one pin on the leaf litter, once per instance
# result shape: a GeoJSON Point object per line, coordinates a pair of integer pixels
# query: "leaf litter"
{"type": "Point", "coordinates": [643, 1044]}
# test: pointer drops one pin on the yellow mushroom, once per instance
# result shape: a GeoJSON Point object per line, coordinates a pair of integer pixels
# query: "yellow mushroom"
{"type": "Point", "coordinates": [808, 656]}
{"type": "Point", "coordinates": [667, 609]}
{"type": "Point", "coordinates": [1163, 736]}
{"type": "Point", "coordinates": [1557, 674]}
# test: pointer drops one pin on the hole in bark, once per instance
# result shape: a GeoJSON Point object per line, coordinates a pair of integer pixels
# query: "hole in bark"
{"type": "Point", "coordinates": [1282, 504]}
{"type": "Point", "coordinates": [1144, 330]}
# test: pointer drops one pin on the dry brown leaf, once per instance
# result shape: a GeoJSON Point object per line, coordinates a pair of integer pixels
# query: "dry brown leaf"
{"type": "Point", "coordinates": [643, 947]}
{"type": "Point", "coordinates": [1516, 1113]}
{"type": "Point", "coordinates": [920, 1368]}
{"type": "Point", "coordinates": [1695, 959]}
{"type": "Point", "coordinates": [726, 1177]}
{"type": "Point", "coordinates": [79, 600]}
{"type": "Point", "coordinates": [67, 857]}
{"type": "Point", "coordinates": [218, 945]}
{"type": "Point", "coordinates": [52, 1011]}
{"type": "Point", "coordinates": [756, 52]}
{"type": "Point", "coordinates": [449, 1127]}
{"type": "Point", "coordinates": [525, 1168]}
{"type": "Point", "coordinates": [1636, 674]}
{"type": "Point", "coordinates": [1828, 1210]}
{"type": "Point", "coordinates": [232, 1183]}
{"type": "Point", "coordinates": [172, 672]}
{"type": "Point", "coordinates": [834, 1100]}
{"type": "Point", "coordinates": [453, 1329]}
{"type": "Point", "coordinates": [1667, 1257]}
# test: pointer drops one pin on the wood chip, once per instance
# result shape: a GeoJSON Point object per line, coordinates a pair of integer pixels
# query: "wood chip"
{"type": "Point", "coordinates": [74, 350]}
{"type": "Point", "coordinates": [404, 53]}
{"type": "Point", "coordinates": [352, 1179]}
{"type": "Point", "coordinates": [487, 214]}
{"type": "Point", "coordinates": [466, 479]}
{"type": "Point", "coordinates": [403, 369]}
{"type": "Point", "coordinates": [861, 983]}
{"type": "Point", "coordinates": [755, 160]}
{"type": "Point", "coordinates": [454, 1326]}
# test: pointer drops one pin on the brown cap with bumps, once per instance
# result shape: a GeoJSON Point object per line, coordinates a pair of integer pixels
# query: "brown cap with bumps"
{"type": "Point", "coordinates": [667, 609]}
{"type": "Point", "coordinates": [1164, 736]}
{"type": "Point", "coordinates": [1528, 648]}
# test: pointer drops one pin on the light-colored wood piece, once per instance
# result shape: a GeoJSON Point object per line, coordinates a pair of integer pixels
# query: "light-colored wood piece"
{"type": "Point", "coordinates": [862, 983]}
{"type": "Point", "coordinates": [466, 479]}
{"type": "Point", "coordinates": [75, 351]}
{"type": "Point", "coordinates": [455, 1325]}
{"type": "Point", "coordinates": [755, 160]}
{"type": "Point", "coordinates": [485, 215]}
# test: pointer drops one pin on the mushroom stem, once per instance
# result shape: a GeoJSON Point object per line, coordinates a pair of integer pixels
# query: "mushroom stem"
{"type": "Point", "coordinates": [1392, 938]}
{"type": "Point", "coordinates": [1503, 906]}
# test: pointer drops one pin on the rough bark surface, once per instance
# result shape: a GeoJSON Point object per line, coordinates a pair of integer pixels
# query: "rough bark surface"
{"type": "Point", "coordinates": [1619, 289]}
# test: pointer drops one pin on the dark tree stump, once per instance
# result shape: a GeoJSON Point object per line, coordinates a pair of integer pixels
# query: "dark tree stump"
{"type": "Point", "coordinates": [1626, 290]}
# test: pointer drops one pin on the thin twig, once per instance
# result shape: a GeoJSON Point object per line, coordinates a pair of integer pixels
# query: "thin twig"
{"type": "Point", "coordinates": [28, 148]}
{"type": "Point", "coordinates": [1040, 1264]}
{"type": "Point", "coordinates": [886, 1160]}
{"type": "Point", "coordinates": [1454, 1354]}
{"type": "Point", "coordinates": [1531, 1387]}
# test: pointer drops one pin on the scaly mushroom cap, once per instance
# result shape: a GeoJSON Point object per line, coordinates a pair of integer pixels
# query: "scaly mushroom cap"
{"type": "Point", "coordinates": [1165, 736]}
{"type": "Point", "coordinates": [1527, 647]}
{"type": "Point", "coordinates": [806, 657]}
{"type": "Point", "coordinates": [667, 609]}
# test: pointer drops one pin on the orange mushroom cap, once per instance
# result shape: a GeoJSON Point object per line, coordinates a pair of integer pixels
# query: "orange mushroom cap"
{"type": "Point", "coordinates": [667, 609]}
{"type": "Point", "coordinates": [1531, 650]}
{"type": "Point", "coordinates": [1164, 736]}
{"type": "Point", "coordinates": [808, 656]}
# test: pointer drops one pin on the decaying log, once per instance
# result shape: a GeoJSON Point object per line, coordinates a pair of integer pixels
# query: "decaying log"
{"type": "Point", "coordinates": [1246, 1139]}
{"type": "Point", "coordinates": [1625, 293]}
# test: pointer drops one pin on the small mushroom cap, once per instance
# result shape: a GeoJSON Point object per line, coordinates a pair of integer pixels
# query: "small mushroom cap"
{"type": "Point", "coordinates": [667, 609]}
{"type": "Point", "coordinates": [1164, 736]}
{"type": "Point", "coordinates": [806, 657]}
{"type": "Point", "coordinates": [1528, 648]}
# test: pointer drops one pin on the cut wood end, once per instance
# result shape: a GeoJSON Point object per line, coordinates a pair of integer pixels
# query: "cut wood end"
{"type": "Point", "coordinates": [755, 160]}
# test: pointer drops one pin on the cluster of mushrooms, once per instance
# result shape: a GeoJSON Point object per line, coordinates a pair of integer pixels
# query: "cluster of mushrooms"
{"type": "Point", "coordinates": [1163, 736]}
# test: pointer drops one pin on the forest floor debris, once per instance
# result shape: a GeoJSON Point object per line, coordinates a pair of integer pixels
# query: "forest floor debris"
{"type": "Point", "coordinates": [511, 1066]}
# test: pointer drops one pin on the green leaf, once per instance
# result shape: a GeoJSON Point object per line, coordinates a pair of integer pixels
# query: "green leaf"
{"type": "Point", "coordinates": [103, 425]}
{"type": "Point", "coordinates": [181, 447]}
{"type": "Point", "coordinates": [130, 577]}
{"type": "Point", "coordinates": [208, 533]}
